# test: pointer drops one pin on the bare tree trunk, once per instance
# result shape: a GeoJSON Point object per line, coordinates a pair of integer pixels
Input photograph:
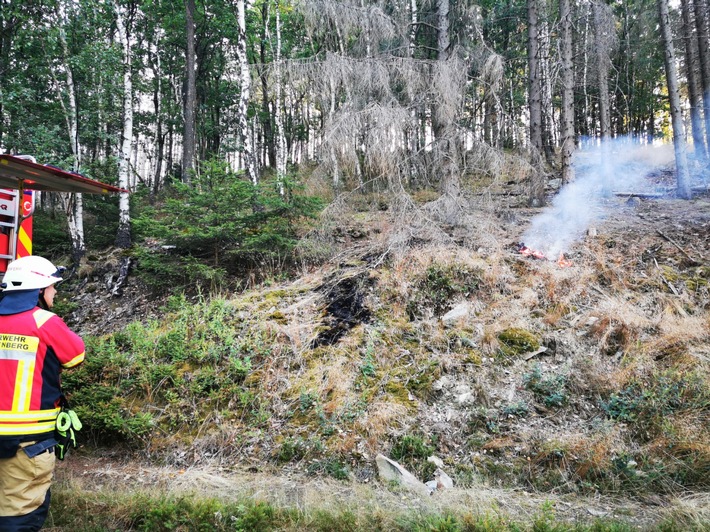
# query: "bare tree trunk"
{"type": "Point", "coordinates": [567, 111]}
{"type": "Point", "coordinates": [681, 163]}
{"type": "Point", "coordinates": [244, 95]}
{"type": "Point", "coordinates": [414, 12]}
{"type": "Point", "coordinates": [601, 38]}
{"type": "Point", "coordinates": [694, 89]}
{"type": "Point", "coordinates": [450, 182]}
{"type": "Point", "coordinates": [586, 129]}
{"type": "Point", "coordinates": [443, 40]}
{"type": "Point", "coordinates": [534, 80]}
{"type": "Point", "coordinates": [159, 135]}
{"type": "Point", "coordinates": [702, 24]}
{"type": "Point", "coordinates": [123, 235]}
{"type": "Point", "coordinates": [547, 115]}
{"type": "Point", "coordinates": [537, 188]}
{"type": "Point", "coordinates": [190, 103]}
{"type": "Point", "coordinates": [281, 154]}
{"type": "Point", "coordinates": [73, 206]}
{"type": "Point", "coordinates": [269, 143]}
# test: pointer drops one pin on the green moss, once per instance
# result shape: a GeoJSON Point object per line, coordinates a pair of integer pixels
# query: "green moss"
{"type": "Point", "coordinates": [398, 392]}
{"type": "Point", "coordinates": [473, 357]}
{"type": "Point", "coordinates": [514, 342]}
{"type": "Point", "coordinates": [278, 317]}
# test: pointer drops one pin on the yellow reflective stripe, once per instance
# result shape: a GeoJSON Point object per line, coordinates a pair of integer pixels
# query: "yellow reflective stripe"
{"type": "Point", "coordinates": [13, 429]}
{"type": "Point", "coordinates": [23, 386]}
{"type": "Point", "coordinates": [74, 361]}
{"type": "Point", "coordinates": [34, 415]}
{"type": "Point", "coordinates": [41, 316]}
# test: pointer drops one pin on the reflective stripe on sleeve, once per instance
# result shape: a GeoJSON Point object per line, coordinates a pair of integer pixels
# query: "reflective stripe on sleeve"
{"type": "Point", "coordinates": [74, 361]}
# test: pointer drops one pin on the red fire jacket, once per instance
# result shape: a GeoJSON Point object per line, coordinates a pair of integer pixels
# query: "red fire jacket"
{"type": "Point", "coordinates": [34, 347]}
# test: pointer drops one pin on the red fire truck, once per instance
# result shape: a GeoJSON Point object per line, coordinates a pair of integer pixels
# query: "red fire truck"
{"type": "Point", "coordinates": [20, 178]}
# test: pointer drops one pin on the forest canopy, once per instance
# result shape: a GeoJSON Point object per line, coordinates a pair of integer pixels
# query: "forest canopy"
{"type": "Point", "coordinates": [369, 95]}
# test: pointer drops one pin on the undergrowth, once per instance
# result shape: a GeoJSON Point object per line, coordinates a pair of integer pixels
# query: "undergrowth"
{"type": "Point", "coordinates": [154, 511]}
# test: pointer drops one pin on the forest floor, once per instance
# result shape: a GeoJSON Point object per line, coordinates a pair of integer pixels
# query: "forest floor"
{"type": "Point", "coordinates": [639, 277]}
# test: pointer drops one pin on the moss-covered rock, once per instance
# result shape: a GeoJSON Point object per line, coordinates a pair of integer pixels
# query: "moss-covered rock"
{"type": "Point", "coordinates": [515, 341]}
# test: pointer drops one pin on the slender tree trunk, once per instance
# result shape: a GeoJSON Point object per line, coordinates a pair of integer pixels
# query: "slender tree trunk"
{"type": "Point", "coordinates": [123, 235]}
{"type": "Point", "coordinates": [72, 204]}
{"type": "Point", "coordinates": [537, 188]}
{"type": "Point", "coordinates": [159, 135]}
{"type": "Point", "coordinates": [534, 78]}
{"type": "Point", "coordinates": [702, 24]}
{"type": "Point", "coordinates": [244, 95]}
{"type": "Point", "coordinates": [443, 41]}
{"type": "Point", "coordinates": [281, 153]}
{"type": "Point", "coordinates": [603, 63]}
{"type": "Point", "coordinates": [681, 163]}
{"type": "Point", "coordinates": [266, 119]}
{"type": "Point", "coordinates": [585, 130]}
{"type": "Point", "coordinates": [414, 13]}
{"type": "Point", "coordinates": [694, 89]}
{"type": "Point", "coordinates": [450, 182]}
{"type": "Point", "coordinates": [547, 115]}
{"type": "Point", "coordinates": [567, 111]}
{"type": "Point", "coordinates": [190, 103]}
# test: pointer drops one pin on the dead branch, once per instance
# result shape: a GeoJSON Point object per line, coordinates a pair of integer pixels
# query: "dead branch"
{"type": "Point", "coordinates": [669, 239]}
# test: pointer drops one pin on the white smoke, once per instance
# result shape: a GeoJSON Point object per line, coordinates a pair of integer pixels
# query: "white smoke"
{"type": "Point", "coordinates": [620, 165]}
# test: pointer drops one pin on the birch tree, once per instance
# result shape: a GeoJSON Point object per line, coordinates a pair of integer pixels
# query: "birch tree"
{"type": "Point", "coordinates": [247, 145]}
{"type": "Point", "coordinates": [123, 235]}
{"type": "Point", "coordinates": [72, 204]}
{"type": "Point", "coordinates": [281, 154]}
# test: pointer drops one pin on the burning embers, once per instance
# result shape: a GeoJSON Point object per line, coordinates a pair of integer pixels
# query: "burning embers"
{"type": "Point", "coordinates": [562, 261]}
{"type": "Point", "coordinates": [529, 252]}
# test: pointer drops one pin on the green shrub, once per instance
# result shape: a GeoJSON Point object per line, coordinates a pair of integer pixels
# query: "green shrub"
{"type": "Point", "coordinates": [412, 452]}
{"type": "Point", "coordinates": [220, 224]}
{"type": "Point", "coordinates": [650, 399]}
{"type": "Point", "coordinates": [169, 375]}
{"type": "Point", "coordinates": [551, 390]}
{"type": "Point", "coordinates": [517, 409]}
{"type": "Point", "coordinates": [331, 467]}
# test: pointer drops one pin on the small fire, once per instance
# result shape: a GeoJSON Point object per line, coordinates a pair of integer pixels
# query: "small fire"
{"type": "Point", "coordinates": [529, 252]}
{"type": "Point", "coordinates": [562, 261]}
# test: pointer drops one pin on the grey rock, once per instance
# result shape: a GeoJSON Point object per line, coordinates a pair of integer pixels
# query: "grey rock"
{"type": "Point", "coordinates": [390, 470]}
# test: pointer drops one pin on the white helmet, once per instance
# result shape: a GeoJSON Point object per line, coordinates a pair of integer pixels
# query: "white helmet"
{"type": "Point", "coordinates": [31, 273]}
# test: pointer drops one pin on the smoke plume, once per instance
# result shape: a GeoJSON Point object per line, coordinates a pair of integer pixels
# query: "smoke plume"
{"type": "Point", "coordinates": [601, 170]}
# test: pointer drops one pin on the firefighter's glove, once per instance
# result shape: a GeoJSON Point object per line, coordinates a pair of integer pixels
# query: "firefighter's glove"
{"type": "Point", "coordinates": [68, 424]}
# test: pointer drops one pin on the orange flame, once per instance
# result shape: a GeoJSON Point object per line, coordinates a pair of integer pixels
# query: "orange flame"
{"type": "Point", "coordinates": [562, 262]}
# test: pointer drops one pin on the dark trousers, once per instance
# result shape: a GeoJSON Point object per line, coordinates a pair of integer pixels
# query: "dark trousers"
{"type": "Point", "coordinates": [30, 522]}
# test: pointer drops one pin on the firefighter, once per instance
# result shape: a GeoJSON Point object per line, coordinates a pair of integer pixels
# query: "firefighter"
{"type": "Point", "coordinates": [35, 344]}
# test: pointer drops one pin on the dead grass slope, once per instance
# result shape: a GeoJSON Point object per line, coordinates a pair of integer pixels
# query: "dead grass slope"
{"type": "Point", "coordinates": [592, 378]}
